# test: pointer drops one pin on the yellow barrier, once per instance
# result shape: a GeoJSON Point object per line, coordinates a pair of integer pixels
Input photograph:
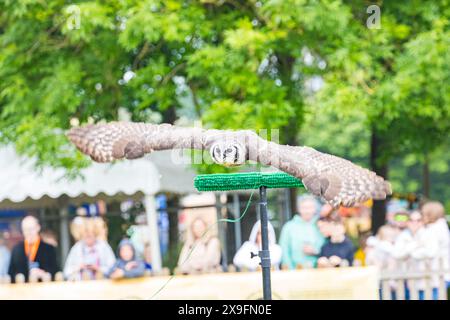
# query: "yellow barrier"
{"type": "Point", "coordinates": [339, 283]}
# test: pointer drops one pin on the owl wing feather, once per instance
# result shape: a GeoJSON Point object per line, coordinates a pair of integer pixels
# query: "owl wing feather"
{"type": "Point", "coordinates": [131, 140]}
{"type": "Point", "coordinates": [337, 180]}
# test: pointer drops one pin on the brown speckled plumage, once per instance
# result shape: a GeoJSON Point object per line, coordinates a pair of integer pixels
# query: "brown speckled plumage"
{"type": "Point", "coordinates": [337, 180]}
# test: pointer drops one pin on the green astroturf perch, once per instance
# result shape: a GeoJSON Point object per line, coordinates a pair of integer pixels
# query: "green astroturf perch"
{"type": "Point", "coordinates": [252, 180]}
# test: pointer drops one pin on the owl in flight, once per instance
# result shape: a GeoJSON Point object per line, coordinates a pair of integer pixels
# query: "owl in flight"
{"type": "Point", "coordinates": [338, 181]}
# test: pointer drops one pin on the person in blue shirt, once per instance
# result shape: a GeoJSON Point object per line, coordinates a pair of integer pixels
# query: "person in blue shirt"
{"type": "Point", "coordinates": [127, 265]}
{"type": "Point", "coordinates": [300, 238]}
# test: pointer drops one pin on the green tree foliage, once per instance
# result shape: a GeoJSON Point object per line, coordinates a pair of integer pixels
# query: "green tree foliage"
{"type": "Point", "coordinates": [396, 75]}
{"type": "Point", "coordinates": [240, 64]}
{"type": "Point", "coordinates": [392, 81]}
{"type": "Point", "coordinates": [240, 61]}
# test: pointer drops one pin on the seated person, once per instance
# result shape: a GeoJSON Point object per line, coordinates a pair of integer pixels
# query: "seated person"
{"type": "Point", "coordinates": [91, 256]}
{"type": "Point", "coordinates": [379, 248]}
{"type": "Point", "coordinates": [337, 248]}
{"type": "Point", "coordinates": [300, 238]}
{"type": "Point", "coordinates": [324, 225]}
{"type": "Point", "coordinates": [201, 251]}
{"type": "Point", "coordinates": [243, 258]}
{"type": "Point", "coordinates": [32, 257]}
{"type": "Point", "coordinates": [414, 249]}
{"type": "Point", "coordinates": [127, 265]}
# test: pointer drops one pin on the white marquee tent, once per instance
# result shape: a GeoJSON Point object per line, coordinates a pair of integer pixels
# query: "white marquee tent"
{"type": "Point", "coordinates": [22, 186]}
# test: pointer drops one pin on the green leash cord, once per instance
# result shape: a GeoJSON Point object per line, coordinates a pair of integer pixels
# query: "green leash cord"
{"type": "Point", "coordinates": [204, 234]}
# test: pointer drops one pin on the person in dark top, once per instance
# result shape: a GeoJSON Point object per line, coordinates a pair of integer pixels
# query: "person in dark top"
{"type": "Point", "coordinates": [338, 250]}
{"type": "Point", "coordinates": [32, 257]}
{"type": "Point", "coordinates": [127, 264]}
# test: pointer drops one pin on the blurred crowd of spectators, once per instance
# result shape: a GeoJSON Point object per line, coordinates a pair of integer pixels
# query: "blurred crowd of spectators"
{"type": "Point", "coordinates": [91, 256]}
{"type": "Point", "coordinates": [412, 242]}
{"type": "Point", "coordinates": [315, 237]}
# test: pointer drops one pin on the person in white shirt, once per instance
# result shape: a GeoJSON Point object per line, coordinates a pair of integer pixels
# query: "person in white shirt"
{"type": "Point", "coordinates": [436, 224]}
{"type": "Point", "coordinates": [379, 248]}
{"type": "Point", "coordinates": [414, 248]}
{"type": "Point", "coordinates": [243, 259]}
{"type": "Point", "coordinates": [91, 255]}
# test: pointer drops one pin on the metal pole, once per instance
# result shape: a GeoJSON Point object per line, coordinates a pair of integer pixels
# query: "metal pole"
{"type": "Point", "coordinates": [64, 233]}
{"type": "Point", "coordinates": [264, 254]}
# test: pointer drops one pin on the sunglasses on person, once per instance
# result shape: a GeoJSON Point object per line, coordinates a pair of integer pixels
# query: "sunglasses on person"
{"type": "Point", "coordinates": [401, 218]}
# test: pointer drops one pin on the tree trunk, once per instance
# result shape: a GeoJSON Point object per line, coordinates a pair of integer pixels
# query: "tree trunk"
{"type": "Point", "coordinates": [426, 176]}
{"type": "Point", "coordinates": [291, 133]}
{"type": "Point", "coordinates": [169, 115]}
{"type": "Point", "coordinates": [380, 168]}
{"type": "Point", "coordinates": [291, 130]}
{"type": "Point", "coordinates": [293, 201]}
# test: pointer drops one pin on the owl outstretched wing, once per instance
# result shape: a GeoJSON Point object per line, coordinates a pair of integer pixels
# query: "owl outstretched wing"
{"type": "Point", "coordinates": [337, 180]}
{"type": "Point", "coordinates": [131, 140]}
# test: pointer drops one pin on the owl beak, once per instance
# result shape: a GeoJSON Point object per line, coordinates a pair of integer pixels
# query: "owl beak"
{"type": "Point", "coordinates": [227, 156]}
{"type": "Point", "coordinates": [230, 164]}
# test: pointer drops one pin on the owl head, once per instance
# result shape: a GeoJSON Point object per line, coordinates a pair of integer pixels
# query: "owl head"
{"type": "Point", "coordinates": [228, 153]}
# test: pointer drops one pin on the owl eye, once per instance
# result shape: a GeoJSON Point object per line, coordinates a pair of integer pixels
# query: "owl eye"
{"type": "Point", "coordinates": [217, 151]}
{"type": "Point", "coordinates": [236, 155]}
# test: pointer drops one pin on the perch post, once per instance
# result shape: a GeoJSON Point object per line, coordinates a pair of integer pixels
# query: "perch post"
{"type": "Point", "coordinates": [252, 180]}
